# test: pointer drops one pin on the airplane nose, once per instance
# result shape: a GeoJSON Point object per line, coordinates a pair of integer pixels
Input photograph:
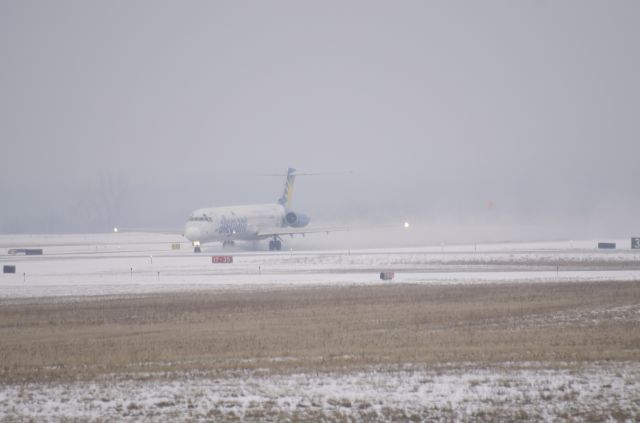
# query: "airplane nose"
{"type": "Point", "coordinates": [192, 233]}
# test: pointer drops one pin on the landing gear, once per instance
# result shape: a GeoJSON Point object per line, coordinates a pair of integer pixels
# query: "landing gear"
{"type": "Point", "coordinates": [275, 245]}
{"type": "Point", "coordinates": [196, 246]}
{"type": "Point", "coordinates": [226, 244]}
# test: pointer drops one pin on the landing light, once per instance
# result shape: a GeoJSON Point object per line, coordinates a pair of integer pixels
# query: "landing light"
{"type": "Point", "coordinates": [406, 224]}
{"type": "Point", "coordinates": [115, 230]}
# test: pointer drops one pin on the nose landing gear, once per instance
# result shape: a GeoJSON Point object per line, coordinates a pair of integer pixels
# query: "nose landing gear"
{"type": "Point", "coordinates": [275, 244]}
{"type": "Point", "coordinates": [196, 246]}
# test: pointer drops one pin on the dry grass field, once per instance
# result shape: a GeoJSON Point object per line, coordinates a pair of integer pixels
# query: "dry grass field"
{"type": "Point", "coordinates": [388, 352]}
{"type": "Point", "coordinates": [319, 329]}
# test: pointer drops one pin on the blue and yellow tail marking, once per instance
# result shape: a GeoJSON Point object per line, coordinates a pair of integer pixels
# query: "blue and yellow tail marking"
{"type": "Point", "coordinates": [285, 200]}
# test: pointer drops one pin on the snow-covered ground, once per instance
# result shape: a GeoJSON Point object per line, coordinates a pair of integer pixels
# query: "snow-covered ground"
{"type": "Point", "coordinates": [529, 391]}
{"type": "Point", "coordinates": [86, 265]}
{"type": "Point", "coordinates": [79, 265]}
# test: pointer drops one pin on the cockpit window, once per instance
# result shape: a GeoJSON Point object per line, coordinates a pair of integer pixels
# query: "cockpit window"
{"type": "Point", "coordinates": [203, 218]}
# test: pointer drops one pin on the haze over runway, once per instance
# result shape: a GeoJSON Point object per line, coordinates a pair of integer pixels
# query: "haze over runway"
{"type": "Point", "coordinates": [477, 121]}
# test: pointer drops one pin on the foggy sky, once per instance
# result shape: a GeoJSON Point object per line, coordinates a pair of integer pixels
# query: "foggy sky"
{"type": "Point", "coordinates": [454, 113]}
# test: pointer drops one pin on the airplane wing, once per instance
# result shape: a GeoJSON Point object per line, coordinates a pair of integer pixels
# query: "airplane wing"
{"type": "Point", "coordinates": [266, 233]}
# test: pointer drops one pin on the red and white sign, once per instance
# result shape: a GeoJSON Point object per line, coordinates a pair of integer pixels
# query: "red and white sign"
{"type": "Point", "coordinates": [221, 259]}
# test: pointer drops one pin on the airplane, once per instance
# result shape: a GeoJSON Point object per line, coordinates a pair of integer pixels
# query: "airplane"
{"type": "Point", "coordinates": [251, 222]}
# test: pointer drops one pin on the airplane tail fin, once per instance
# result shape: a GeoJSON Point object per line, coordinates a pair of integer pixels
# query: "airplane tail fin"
{"type": "Point", "coordinates": [285, 199]}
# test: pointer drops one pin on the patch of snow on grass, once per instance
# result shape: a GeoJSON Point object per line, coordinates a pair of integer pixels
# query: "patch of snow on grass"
{"type": "Point", "coordinates": [600, 391]}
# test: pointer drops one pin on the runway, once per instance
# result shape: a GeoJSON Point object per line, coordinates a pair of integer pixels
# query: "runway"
{"type": "Point", "coordinates": [121, 264]}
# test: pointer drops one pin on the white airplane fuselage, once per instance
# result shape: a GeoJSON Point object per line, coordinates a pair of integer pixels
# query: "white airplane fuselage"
{"type": "Point", "coordinates": [236, 223]}
{"type": "Point", "coordinates": [248, 223]}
